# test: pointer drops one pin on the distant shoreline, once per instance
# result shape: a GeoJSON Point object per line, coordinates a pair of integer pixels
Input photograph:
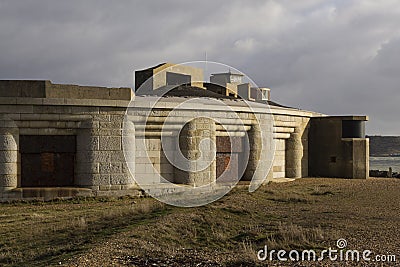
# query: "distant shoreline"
{"type": "Point", "coordinates": [379, 166]}
{"type": "Point", "coordinates": [386, 156]}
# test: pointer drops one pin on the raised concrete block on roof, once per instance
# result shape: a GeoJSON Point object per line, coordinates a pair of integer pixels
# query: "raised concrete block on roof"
{"type": "Point", "coordinates": [46, 89]}
{"type": "Point", "coordinates": [166, 74]}
{"type": "Point", "coordinates": [22, 88]}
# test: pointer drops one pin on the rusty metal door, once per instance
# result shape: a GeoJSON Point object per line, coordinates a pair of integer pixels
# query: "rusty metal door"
{"type": "Point", "coordinates": [47, 161]}
{"type": "Point", "coordinates": [228, 158]}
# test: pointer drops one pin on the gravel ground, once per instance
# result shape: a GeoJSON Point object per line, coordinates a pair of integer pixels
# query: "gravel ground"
{"type": "Point", "coordinates": [366, 213]}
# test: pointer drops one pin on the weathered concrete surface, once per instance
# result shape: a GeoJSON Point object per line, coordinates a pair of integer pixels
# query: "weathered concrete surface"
{"type": "Point", "coordinates": [334, 156]}
{"type": "Point", "coordinates": [194, 145]}
{"type": "Point", "coordinates": [96, 117]}
{"type": "Point", "coordinates": [156, 77]}
{"type": "Point", "coordinates": [9, 137]}
{"type": "Point", "coordinates": [46, 89]}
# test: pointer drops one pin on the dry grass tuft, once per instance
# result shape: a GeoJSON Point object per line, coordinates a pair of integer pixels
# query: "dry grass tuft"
{"type": "Point", "coordinates": [289, 236]}
{"type": "Point", "coordinates": [321, 191]}
{"type": "Point", "coordinates": [290, 198]}
{"type": "Point", "coordinates": [249, 252]}
{"type": "Point", "coordinates": [144, 207]}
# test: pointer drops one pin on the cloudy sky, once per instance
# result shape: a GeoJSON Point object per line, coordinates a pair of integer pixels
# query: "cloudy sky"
{"type": "Point", "coordinates": [332, 56]}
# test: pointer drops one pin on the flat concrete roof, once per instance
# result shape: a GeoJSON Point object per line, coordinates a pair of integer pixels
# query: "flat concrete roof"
{"type": "Point", "coordinates": [226, 73]}
{"type": "Point", "coordinates": [346, 117]}
{"type": "Point", "coordinates": [46, 89]}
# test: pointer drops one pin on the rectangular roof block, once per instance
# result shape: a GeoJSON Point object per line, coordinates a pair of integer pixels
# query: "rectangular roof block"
{"type": "Point", "coordinates": [46, 89]}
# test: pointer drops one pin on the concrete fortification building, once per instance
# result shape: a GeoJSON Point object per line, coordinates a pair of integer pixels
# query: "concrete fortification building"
{"type": "Point", "coordinates": [68, 140]}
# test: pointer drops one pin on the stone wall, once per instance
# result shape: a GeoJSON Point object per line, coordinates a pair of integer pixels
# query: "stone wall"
{"type": "Point", "coordinates": [92, 114]}
{"type": "Point", "coordinates": [97, 125]}
{"type": "Point", "coordinates": [193, 126]}
{"type": "Point", "coordinates": [111, 158]}
{"type": "Point", "coordinates": [291, 155]}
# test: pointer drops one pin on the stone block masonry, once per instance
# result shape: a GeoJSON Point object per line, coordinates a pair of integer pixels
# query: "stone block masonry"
{"type": "Point", "coordinates": [92, 114]}
{"type": "Point", "coordinates": [200, 171]}
{"type": "Point", "coordinates": [109, 159]}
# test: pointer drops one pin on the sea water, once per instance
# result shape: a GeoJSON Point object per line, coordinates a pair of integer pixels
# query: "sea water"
{"type": "Point", "coordinates": [384, 163]}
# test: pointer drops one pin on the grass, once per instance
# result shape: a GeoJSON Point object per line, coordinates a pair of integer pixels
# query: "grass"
{"type": "Point", "coordinates": [35, 234]}
{"type": "Point", "coordinates": [305, 214]}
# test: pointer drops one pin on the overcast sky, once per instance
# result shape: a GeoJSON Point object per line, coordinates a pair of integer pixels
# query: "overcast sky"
{"type": "Point", "coordinates": [335, 57]}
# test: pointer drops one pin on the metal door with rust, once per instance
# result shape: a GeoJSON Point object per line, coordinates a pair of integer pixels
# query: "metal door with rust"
{"type": "Point", "coordinates": [230, 152]}
{"type": "Point", "coordinates": [47, 161]}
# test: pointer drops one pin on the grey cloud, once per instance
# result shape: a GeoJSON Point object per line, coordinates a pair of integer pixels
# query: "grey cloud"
{"type": "Point", "coordinates": [336, 57]}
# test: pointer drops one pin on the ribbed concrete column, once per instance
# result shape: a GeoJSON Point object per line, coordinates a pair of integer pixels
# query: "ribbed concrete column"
{"type": "Point", "coordinates": [197, 153]}
{"type": "Point", "coordinates": [87, 145]}
{"type": "Point", "coordinates": [129, 149]}
{"type": "Point", "coordinates": [294, 154]}
{"type": "Point", "coordinates": [9, 137]}
{"type": "Point", "coordinates": [255, 150]}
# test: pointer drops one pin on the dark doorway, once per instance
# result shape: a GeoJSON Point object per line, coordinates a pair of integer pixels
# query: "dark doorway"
{"type": "Point", "coordinates": [47, 161]}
